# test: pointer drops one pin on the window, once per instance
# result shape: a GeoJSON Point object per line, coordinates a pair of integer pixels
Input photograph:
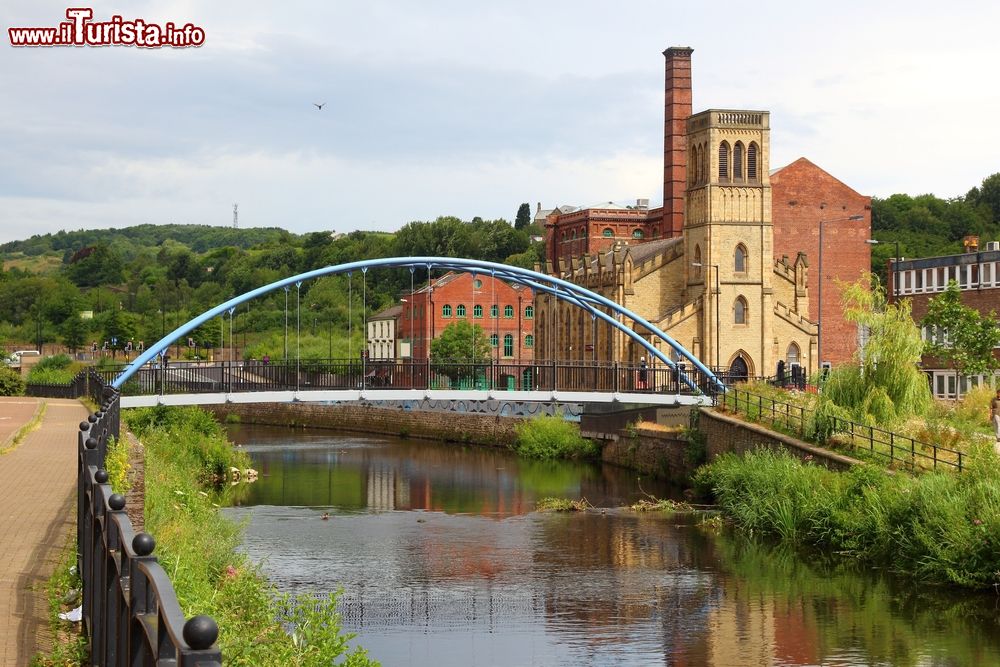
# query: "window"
{"type": "Point", "coordinates": [723, 161]}
{"type": "Point", "coordinates": [508, 345]}
{"type": "Point", "coordinates": [508, 312]}
{"type": "Point", "coordinates": [494, 340]}
{"type": "Point", "coordinates": [446, 310]}
{"type": "Point", "coordinates": [494, 311]}
{"type": "Point", "coordinates": [638, 234]}
{"type": "Point", "coordinates": [740, 311]}
{"type": "Point", "coordinates": [752, 162]}
{"type": "Point", "coordinates": [477, 283]}
{"type": "Point", "coordinates": [607, 233]}
{"type": "Point", "coordinates": [740, 259]}
{"type": "Point", "coordinates": [697, 261]}
{"type": "Point", "coordinates": [460, 311]}
{"type": "Point", "coordinates": [529, 312]}
{"type": "Point", "coordinates": [792, 356]}
{"type": "Point", "coordinates": [477, 312]}
{"type": "Point", "coordinates": [529, 341]}
{"type": "Point", "coordinates": [738, 162]}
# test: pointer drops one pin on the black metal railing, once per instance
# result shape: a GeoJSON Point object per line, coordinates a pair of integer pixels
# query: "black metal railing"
{"type": "Point", "coordinates": [130, 611]}
{"type": "Point", "coordinates": [882, 444]}
{"type": "Point", "coordinates": [341, 374]}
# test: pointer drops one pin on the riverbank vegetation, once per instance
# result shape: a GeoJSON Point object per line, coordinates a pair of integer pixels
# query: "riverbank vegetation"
{"type": "Point", "coordinates": [552, 437]}
{"type": "Point", "coordinates": [937, 527]}
{"type": "Point", "coordinates": [187, 456]}
{"type": "Point", "coordinates": [562, 505]}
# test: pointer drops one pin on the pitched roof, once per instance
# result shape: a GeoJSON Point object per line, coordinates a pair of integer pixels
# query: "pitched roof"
{"type": "Point", "coordinates": [390, 313]}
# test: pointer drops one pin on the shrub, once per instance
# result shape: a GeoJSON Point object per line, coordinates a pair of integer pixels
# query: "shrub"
{"type": "Point", "coordinates": [548, 437]}
{"type": "Point", "coordinates": [11, 383]}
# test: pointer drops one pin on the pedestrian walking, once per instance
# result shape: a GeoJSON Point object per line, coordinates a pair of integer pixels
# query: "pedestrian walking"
{"type": "Point", "coordinates": [995, 418]}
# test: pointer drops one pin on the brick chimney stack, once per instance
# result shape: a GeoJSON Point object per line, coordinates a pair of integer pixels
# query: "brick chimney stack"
{"type": "Point", "coordinates": [677, 108]}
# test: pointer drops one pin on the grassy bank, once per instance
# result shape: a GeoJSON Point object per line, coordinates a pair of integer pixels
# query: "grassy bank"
{"type": "Point", "coordinates": [187, 456]}
{"type": "Point", "coordinates": [937, 527]}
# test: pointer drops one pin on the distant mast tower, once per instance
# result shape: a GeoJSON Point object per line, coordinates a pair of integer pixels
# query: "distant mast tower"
{"type": "Point", "coordinates": [236, 216]}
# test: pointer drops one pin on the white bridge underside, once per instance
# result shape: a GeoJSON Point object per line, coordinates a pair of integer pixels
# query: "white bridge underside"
{"type": "Point", "coordinates": [346, 395]}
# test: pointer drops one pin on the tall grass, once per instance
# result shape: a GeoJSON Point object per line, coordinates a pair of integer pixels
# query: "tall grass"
{"type": "Point", "coordinates": [198, 548]}
{"type": "Point", "coordinates": [551, 437]}
{"type": "Point", "coordinates": [938, 527]}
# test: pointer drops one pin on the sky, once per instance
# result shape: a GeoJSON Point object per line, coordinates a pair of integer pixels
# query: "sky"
{"type": "Point", "coordinates": [465, 108]}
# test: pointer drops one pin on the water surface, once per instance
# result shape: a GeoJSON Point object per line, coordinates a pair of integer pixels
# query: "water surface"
{"type": "Point", "coordinates": [443, 561]}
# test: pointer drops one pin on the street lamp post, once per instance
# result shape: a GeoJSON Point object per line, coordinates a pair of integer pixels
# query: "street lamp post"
{"type": "Point", "coordinates": [718, 295]}
{"type": "Point", "coordinates": [895, 264]}
{"type": "Point", "coordinates": [819, 319]}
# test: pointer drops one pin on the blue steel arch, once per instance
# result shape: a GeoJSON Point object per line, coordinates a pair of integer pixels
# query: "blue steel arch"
{"type": "Point", "coordinates": [561, 289]}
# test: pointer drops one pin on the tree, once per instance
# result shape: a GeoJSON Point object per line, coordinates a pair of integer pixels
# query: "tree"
{"type": "Point", "coordinates": [962, 335]}
{"type": "Point", "coordinates": [460, 346]}
{"type": "Point", "coordinates": [74, 332]}
{"type": "Point", "coordinates": [523, 218]}
{"type": "Point", "coordinates": [884, 386]}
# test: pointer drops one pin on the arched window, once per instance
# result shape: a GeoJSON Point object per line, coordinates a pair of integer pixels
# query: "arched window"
{"type": "Point", "coordinates": [693, 167]}
{"type": "Point", "coordinates": [494, 311]}
{"type": "Point", "coordinates": [792, 357]}
{"type": "Point", "coordinates": [508, 311]}
{"type": "Point", "coordinates": [723, 161]}
{"type": "Point", "coordinates": [738, 161]}
{"type": "Point", "coordinates": [573, 235]}
{"type": "Point", "coordinates": [477, 312]}
{"type": "Point", "coordinates": [460, 311]}
{"type": "Point", "coordinates": [740, 311]}
{"type": "Point", "coordinates": [607, 233]}
{"type": "Point", "coordinates": [529, 312]}
{"type": "Point", "coordinates": [494, 340]}
{"type": "Point", "coordinates": [638, 234]}
{"type": "Point", "coordinates": [446, 310]}
{"type": "Point", "coordinates": [740, 259]}
{"type": "Point", "coordinates": [697, 261]}
{"type": "Point", "coordinates": [752, 167]}
{"type": "Point", "coordinates": [529, 341]}
{"type": "Point", "coordinates": [508, 345]}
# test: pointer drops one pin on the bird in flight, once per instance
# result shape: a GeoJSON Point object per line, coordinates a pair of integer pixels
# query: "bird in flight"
{"type": "Point", "coordinates": [319, 106]}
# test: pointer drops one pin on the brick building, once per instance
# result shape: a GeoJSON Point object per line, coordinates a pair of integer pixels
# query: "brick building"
{"type": "Point", "coordinates": [504, 311]}
{"type": "Point", "coordinates": [805, 198]}
{"type": "Point", "coordinates": [977, 273]}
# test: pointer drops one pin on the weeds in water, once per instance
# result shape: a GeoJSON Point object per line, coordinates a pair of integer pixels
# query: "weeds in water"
{"type": "Point", "coordinates": [660, 505]}
{"type": "Point", "coordinates": [549, 437]}
{"type": "Point", "coordinates": [562, 505]}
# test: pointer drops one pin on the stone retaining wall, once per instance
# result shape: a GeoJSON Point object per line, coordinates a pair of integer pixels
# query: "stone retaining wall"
{"type": "Point", "coordinates": [657, 453]}
{"type": "Point", "coordinates": [492, 430]}
{"type": "Point", "coordinates": [724, 433]}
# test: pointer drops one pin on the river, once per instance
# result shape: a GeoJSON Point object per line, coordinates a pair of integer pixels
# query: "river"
{"type": "Point", "coordinates": [444, 562]}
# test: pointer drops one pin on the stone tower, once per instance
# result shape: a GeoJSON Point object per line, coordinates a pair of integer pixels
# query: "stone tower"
{"type": "Point", "coordinates": [728, 232]}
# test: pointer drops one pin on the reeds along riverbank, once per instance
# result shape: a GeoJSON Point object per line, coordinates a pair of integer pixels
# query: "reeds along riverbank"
{"type": "Point", "coordinates": [187, 458]}
{"type": "Point", "coordinates": [937, 527]}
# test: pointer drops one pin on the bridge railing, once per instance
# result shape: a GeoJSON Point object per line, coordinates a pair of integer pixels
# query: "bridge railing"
{"type": "Point", "coordinates": [130, 611]}
{"type": "Point", "coordinates": [342, 374]}
{"type": "Point", "coordinates": [893, 448]}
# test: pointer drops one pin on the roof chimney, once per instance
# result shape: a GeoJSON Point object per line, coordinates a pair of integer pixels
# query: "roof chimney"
{"type": "Point", "coordinates": [677, 108]}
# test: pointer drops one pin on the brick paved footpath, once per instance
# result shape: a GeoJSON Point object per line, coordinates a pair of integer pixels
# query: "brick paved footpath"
{"type": "Point", "coordinates": [37, 516]}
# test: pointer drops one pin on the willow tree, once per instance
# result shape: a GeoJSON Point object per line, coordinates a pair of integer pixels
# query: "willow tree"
{"type": "Point", "coordinates": [883, 386]}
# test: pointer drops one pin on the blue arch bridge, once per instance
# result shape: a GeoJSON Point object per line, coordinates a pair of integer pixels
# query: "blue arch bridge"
{"type": "Point", "coordinates": [673, 377]}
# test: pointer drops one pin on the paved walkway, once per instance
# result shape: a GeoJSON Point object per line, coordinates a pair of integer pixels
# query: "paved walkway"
{"type": "Point", "coordinates": [37, 515]}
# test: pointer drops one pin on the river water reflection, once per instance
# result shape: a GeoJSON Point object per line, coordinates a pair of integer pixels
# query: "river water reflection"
{"type": "Point", "coordinates": [443, 561]}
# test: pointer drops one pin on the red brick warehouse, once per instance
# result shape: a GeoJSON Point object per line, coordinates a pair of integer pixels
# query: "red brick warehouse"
{"type": "Point", "coordinates": [505, 312]}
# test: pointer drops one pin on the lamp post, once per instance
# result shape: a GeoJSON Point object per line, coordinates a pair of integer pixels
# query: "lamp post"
{"type": "Point", "coordinates": [718, 293]}
{"type": "Point", "coordinates": [819, 319]}
{"type": "Point", "coordinates": [895, 263]}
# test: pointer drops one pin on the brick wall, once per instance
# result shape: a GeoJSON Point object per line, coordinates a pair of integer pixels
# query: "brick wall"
{"type": "Point", "coordinates": [727, 434]}
{"type": "Point", "coordinates": [802, 195]}
{"type": "Point", "coordinates": [489, 430]}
